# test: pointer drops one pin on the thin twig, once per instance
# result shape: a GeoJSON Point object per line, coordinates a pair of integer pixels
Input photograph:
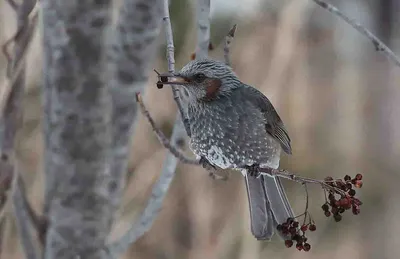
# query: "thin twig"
{"type": "Point", "coordinates": [170, 55]}
{"type": "Point", "coordinates": [162, 138]}
{"type": "Point", "coordinates": [167, 145]}
{"type": "Point", "coordinates": [306, 209]}
{"type": "Point", "coordinates": [13, 4]}
{"type": "Point", "coordinates": [378, 44]}
{"type": "Point", "coordinates": [18, 62]}
{"type": "Point", "coordinates": [6, 179]}
{"type": "Point", "coordinates": [228, 39]}
{"type": "Point", "coordinates": [22, 217]}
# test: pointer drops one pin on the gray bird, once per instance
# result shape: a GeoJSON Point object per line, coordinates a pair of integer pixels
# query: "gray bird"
{"type": "Point", "coordinates": [234, 126]}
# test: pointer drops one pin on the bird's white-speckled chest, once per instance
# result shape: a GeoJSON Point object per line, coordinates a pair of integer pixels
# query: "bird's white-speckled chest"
{"type": "Point", "coordinates": [230, 137]}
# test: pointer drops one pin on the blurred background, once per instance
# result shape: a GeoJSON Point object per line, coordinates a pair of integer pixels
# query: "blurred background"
{"type": "Point", "coordinates": [339, 99]}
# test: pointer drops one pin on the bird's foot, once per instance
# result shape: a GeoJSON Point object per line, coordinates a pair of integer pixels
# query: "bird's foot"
{"type": "Point", "coordinates": [212, 170]}
{"type": "Point", "coordinates": [206, 164]}
{"type": "Point", "coordinates": [253, 170]}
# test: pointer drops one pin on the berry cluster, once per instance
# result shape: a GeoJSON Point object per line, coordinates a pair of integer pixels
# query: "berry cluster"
{"type": "Point", "coordinates": [341, 196]}
{"type": "Point", "coordinates": [291, 230]}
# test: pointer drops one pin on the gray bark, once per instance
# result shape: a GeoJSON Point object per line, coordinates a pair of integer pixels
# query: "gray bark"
{"type": "Point", "coordinates": [77, 129]}
{"type": "Point", "coordinates": [87, 125]}
{"type": "Point", "coordinates": [132, 52]}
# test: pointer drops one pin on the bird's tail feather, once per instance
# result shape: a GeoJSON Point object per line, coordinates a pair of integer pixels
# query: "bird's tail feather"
{"type": "Point", "coordinates": [278, 201]}
{"type": "Point", "coordinates": [269, 205]}
{"type": "Point", "coordinates": [261, 218]}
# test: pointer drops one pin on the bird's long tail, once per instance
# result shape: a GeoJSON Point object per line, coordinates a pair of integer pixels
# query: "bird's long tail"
{"type": "Point", "coordinates": [269, 205]}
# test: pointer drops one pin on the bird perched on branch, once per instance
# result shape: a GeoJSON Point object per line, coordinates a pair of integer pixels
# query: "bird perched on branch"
{"type": "Point", "coordinates": [234, 126]}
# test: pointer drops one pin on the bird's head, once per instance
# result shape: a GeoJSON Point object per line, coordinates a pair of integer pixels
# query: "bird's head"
{"type": "Point", "coordinates": [204, 80]}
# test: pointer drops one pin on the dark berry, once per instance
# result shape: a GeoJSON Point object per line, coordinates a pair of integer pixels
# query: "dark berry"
{"type": "Point", "coordinates": [357, 202]}
{"type": "Point", "coordinates": [312, 227]}
{"type": "Point", "coordinates": [328, 179]}
{"type": "Point", "coordinates": [358, 176]}
{"type": "Point", "coordinates": [279, 227]}
{"type": "Point", "coordinates": [306, 247]}
{"type": "Point", "coordinates": [352, 192]}
{"type": "Point", "coordinates": [339, 183]}
{"type": "Point", "coordinates": [304, 228]}
{"type": "Point", "coordinates": [337, 217]}
{"type": "Point", "coordinates": [325, 207]}
{"type": "Point", "coordinates": [327, 213]}
{"type": "Point", "coordinates": [288, 243]}
{"type": "Point", "coordinates": [356, 210]}
{"type": "Point", "coordinates": [289, 220]}
{"type": "Point", "coordinates": [295, 224]}
{"type": "Point", "coordinates": [344, 202]}
{"type": "Point", "coordinates": [347, 178]}
{"type": "Point", "coordinates": [159, 85]}
{"type": "Point", "coordinates": [297, 238]}
{"type": "Point", "coordinates": [331, 197]}
{"type": "Point", "coordinates": [341, 210]}
{"type": "Point", "coordinates": [299, 246]}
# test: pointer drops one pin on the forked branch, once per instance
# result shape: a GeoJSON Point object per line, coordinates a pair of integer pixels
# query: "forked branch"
{"type": "Point", "coordinates": [378, 44]}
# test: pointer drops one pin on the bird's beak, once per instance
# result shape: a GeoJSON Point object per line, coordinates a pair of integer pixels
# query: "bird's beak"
{"type": "Point", "coordinates": [172, 79]}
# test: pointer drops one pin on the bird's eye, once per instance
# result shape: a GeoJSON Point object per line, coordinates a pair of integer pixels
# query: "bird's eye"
{"type": "Point", "coordinates": [200, 77]}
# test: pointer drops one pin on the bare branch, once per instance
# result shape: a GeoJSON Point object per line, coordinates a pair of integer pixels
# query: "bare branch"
{"type": "Point", "coordinates": [162, 138]}
{"type": "Point", "coordinates": [22, 218]}
{"type": "Point", "coordinates": [11, 118]}
{"type": "Point", "coordinates": [170, 55]}
{"type": "Point", "coordinates": [11, 97]}
{"type": "Point", "coordinates": [130, 54]}
{"type": "Point", "coordinates": [160, 188]}
{"type": "Point", "coordinates": [13, 4]}
{"type": "Point", "coordinates": [203, 28]}
{"type": "Point", "coordinates": [378, 44]}
{"type": "Point", "coordinates": [177, 139]}
{"type": "Point", "coordinates": [228, 39]}
{"type": "Point", "coordinates": [6, 179]}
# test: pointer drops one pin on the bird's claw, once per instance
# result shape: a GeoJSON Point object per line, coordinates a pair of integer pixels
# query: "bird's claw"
{"type": "Point", "coordinates": [206, 164]}
{"type": "Point", "coordinates": [253, 170]}
{"type": "Point", "coordinates": [216, 176]}
{"type": "Point", "coordinates": [211, 169]}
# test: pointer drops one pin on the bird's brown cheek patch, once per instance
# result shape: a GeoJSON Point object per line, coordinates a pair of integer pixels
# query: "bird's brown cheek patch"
{"type": "Point", "coordinates": [212, 89]}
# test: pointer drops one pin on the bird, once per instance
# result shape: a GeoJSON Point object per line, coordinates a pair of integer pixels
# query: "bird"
{"type": "Point", "coordinates": [234, 126]}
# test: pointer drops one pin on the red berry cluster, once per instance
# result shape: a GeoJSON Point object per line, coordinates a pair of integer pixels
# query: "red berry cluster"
{"type": "Point", "coordinates": [291, 230]}
{"type": "Point", "coordinates": [341, 196]}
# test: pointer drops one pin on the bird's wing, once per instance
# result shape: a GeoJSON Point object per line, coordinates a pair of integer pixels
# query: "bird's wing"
{"type": "Point", "coordinates": [274, 125]}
